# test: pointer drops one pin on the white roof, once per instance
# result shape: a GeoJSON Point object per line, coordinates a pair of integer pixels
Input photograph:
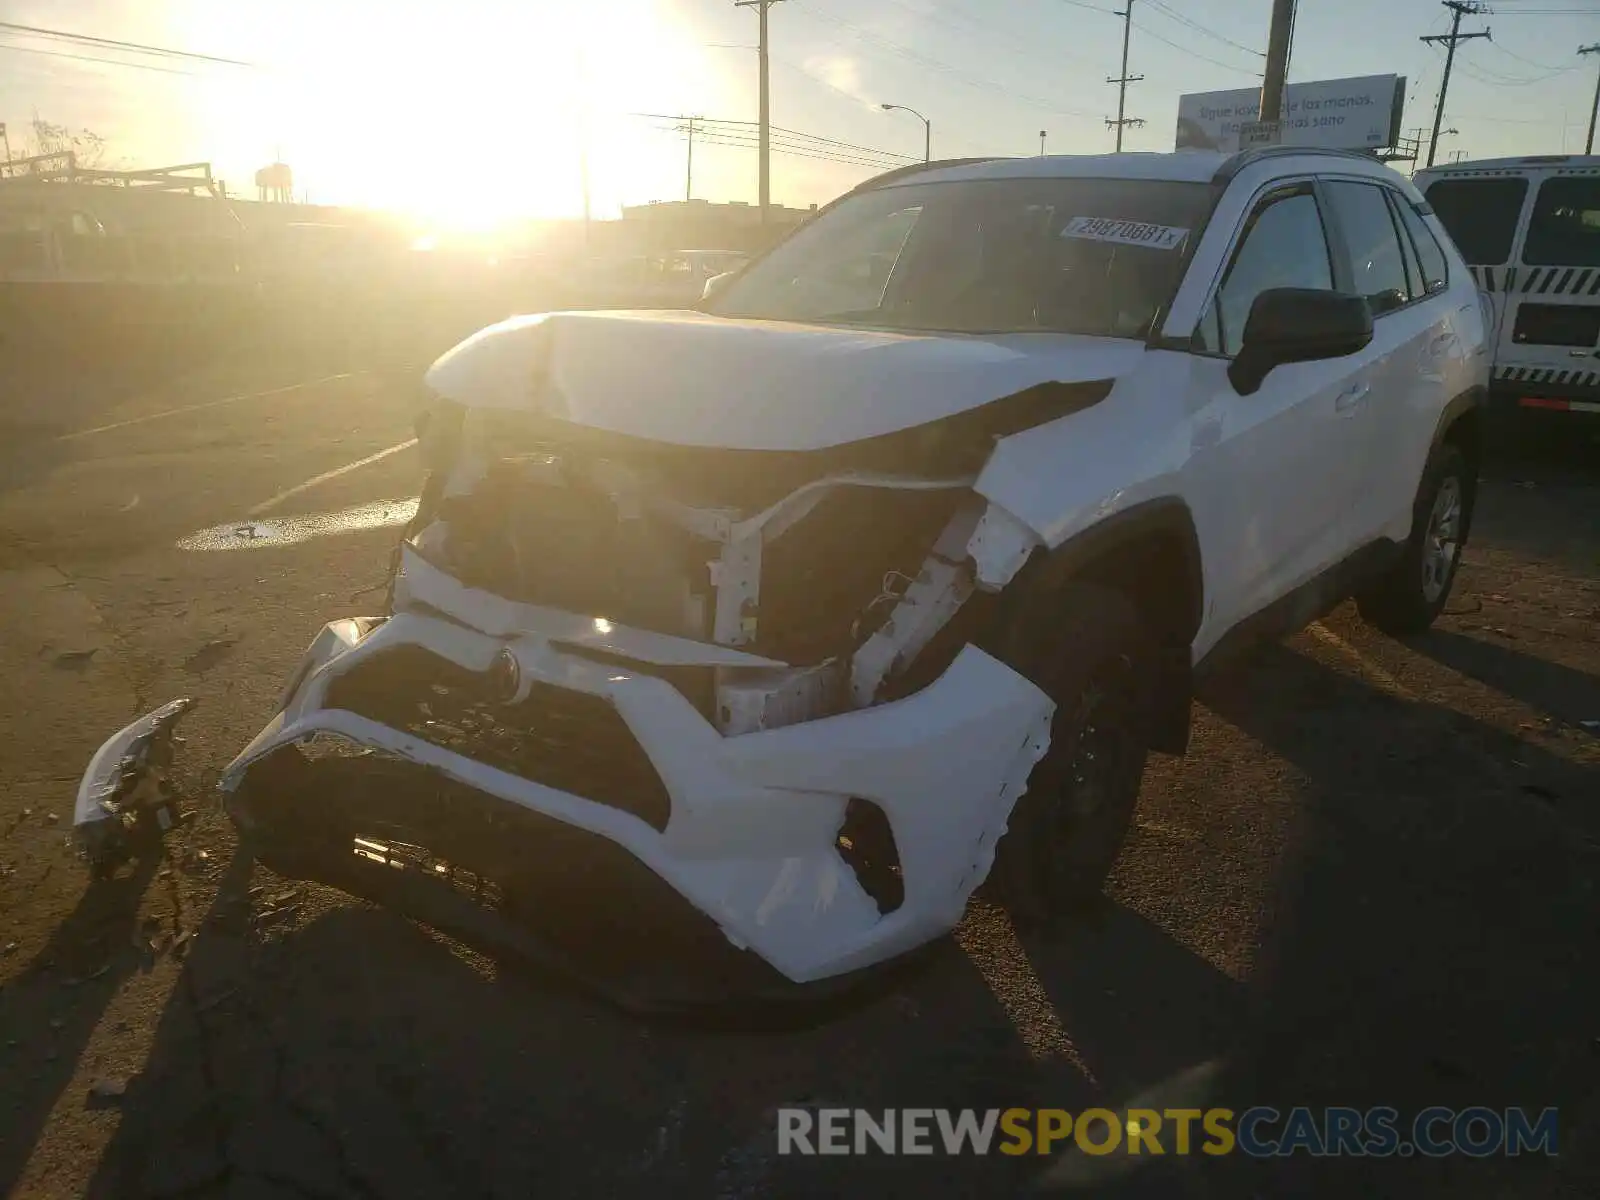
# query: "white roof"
{"type": "Point", "coordinates": [1528, 161]}
{"type": "Point", "coordinates": [1182, 166]}
{"type": "Point", "coordinates": [1187, 166]}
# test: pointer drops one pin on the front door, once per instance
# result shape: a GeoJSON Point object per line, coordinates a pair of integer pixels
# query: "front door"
{"type": "Point", "coordinates": [1277, 469]}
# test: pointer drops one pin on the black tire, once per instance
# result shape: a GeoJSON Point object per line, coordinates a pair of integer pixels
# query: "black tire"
{"type": "Point", "coordinates": [1087, 648]}
{"type": "Point", "coordinates": [1412, 593]}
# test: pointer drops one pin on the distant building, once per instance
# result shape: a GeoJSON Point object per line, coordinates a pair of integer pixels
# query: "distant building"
{"type": "Point", "coordinates": [161, 226]}
{"type": "Point", "coordinates": [666, 225]}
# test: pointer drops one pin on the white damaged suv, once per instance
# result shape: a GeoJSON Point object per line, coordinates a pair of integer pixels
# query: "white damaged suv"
{"type": "Point", "coordinates": [787, 622]}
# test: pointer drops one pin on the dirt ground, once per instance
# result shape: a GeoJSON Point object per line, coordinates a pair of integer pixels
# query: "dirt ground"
{"type": "Point", "coordinates": [1372, 881]}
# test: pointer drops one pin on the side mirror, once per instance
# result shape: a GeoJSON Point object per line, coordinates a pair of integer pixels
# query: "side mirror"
{"type": "Point", "coordinates": [1290, 325]}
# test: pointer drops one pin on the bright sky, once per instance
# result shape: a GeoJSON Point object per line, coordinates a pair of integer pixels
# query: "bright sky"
{"type": "Point", "coordinates": [476, 108]}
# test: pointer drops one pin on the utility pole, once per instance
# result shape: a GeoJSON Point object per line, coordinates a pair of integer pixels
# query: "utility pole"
{"type": "Point", "coordinates": [688, 176]}
{"type": "Point", "coordinates": [1594, 48]}
{"type": "Point", "coordinates": [1414, 144]}
{"type": "Point", "coordinates": [1124, 79]}
{"type": "Point", "coordinates": [1277, 70]}
{"type": "Point", "coordinates": [1458, 9]}
{"type": "Point", "coordinates": [764, 150]}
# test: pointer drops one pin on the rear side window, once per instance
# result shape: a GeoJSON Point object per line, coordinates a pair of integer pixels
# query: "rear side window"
{"type": "Point", "coordinates": [1435, 274]}
{"type": "Point", "coordinates": [1377, 263]}
{"type": "Point", "coordinates": [1565, 227]}
{"type": "Point", "coordinates": [1481, 215]}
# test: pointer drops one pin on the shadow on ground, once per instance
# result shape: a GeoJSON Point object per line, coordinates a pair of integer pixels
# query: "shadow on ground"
{"type": "Point", "coordinates": [1559, 691]}
{"type": "Point", "coordinates": [1420, 952]}
{"type": "Point", "coordinates": [91, 953]}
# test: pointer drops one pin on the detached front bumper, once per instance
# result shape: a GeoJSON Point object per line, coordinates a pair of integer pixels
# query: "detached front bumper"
{"type": "Point", "coordinates": [751, 835]}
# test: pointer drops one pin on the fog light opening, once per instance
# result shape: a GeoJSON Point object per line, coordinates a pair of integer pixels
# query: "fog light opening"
{"type": "Point", "coordinates": [866, 843]}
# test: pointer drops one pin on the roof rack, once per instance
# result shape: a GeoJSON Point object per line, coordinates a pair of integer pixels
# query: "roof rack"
{"type": "Point", "coordinates": [900, 173]}
{"type": "Point", "coordinates": [1246, 158]}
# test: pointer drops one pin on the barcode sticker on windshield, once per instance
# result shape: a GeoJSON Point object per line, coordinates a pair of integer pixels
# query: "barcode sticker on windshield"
{"type": "Point", "coordinates": [1129, 233]}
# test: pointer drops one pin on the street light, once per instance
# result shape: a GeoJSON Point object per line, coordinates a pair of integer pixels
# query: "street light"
{"type": "Point", "coordinates": [1043, 133]}
{"type": "Point", "coordinates": [927, 128]}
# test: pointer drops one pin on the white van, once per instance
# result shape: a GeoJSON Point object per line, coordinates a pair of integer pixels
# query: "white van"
{"type": "Point", "coordinates": [1529, 229]}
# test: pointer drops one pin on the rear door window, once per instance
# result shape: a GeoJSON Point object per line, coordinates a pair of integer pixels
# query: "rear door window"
{"type": "Point", "coordinates": [1481, 216]}
{"type": "Point", "coordinates": [1564, 229]}
{"type": "Point", "coordinates": [1435, 272]}
{"type": "Point", "coordinates": [1377, 263]}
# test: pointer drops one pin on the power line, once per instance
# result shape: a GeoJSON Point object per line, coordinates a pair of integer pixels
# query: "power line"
{"type": "Point", "coordinates": [842, 145]}
{"type": "Point", "coordinates": [943, 16]}
{"type": "Point", "coordinates": [801, 150]}
{"type": "Point", "coordinates": [971, 80]}
{"type": "Point", "coordinates": [817, 79]}
{"type": "Point", "coordinates": [723, 124]}
{"type": "Point", "coordinates": [1495, 79]}
{"type": "Point", "coordinates": [1216, 62]}
{"type": "Point", "coordinates": [116, 44]}
{"type": "Point", "coordinates": [1528, 61]}
{"type": "Point", "coordinates": [115, 62]}
{"type": "Point", "coordinates": [1202, 30]}
{"type": "Point", "coordinates": [718, 131]}
{"type": "Point", "coordinates": [779, 147]}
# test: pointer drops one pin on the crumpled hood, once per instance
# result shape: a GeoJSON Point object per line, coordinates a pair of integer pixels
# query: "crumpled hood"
{"type": "Point", "coordinates": [689, 379]}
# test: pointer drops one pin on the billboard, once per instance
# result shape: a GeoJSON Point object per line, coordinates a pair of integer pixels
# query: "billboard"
{"type": "Point", "coordinates": [1336, 114]}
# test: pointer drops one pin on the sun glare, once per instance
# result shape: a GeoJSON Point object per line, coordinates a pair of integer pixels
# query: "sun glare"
{"type": "Point", "coordinates": [467, 114]}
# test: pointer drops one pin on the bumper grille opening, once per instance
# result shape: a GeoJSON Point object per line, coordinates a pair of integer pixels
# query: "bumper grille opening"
{"type": "Point", "coordinates": [866, 843]}
{"type": "Point", "coordinates": [562, 739]}
{"type": "Point", "coordinates": [515, 883]}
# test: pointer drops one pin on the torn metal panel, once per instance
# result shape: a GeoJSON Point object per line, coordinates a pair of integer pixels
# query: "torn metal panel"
{"type": "Point", "coordinates": [736, 580]}
{"type": "Point", "coordinates": [748, 701]}
{"type": "Point", "coordinates": [937, 593]}
{"type": "Point", "coordinates": [999, 547]}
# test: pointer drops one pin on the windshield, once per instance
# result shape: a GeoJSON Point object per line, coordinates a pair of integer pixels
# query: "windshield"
{"type": "Point", "coordinates": [1093, 256]}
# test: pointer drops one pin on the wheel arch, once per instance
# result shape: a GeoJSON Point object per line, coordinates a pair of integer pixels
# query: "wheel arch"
{"type": "Point", "coordinates": [1462, 425]}
{"type": "Point", "coordinates": [1150, 553]}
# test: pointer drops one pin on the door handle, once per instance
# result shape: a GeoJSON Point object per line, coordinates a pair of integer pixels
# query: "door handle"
{"type": "Point", "coordinates": [1351, 397]}
{"type": "Point", "coordinates": [1440, 342]}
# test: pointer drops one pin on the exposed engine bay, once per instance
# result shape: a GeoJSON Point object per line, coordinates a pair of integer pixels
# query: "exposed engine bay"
{"type": "Point", "coordinates": [842, 576]}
